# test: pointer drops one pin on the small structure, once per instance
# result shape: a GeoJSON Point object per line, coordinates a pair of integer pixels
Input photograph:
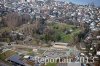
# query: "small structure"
{"type": "Point", "coordinates": [35, 50]}
{"type": "Point", "coordinates": [82, 46]}
{"type": "Point", "coordinates": [98, 53]}
{"type": "Point", "coordinates": [27, 56]}
{"type": "Point", "coordinates": [98, 37]}
{"type": "Point", "coordinates": [60, 45]}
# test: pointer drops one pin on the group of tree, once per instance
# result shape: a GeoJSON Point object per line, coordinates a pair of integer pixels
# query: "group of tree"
{"type": "Point", "coordinates": [15, 19]}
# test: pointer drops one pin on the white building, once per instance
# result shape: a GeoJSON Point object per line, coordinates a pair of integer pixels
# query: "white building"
{"type": "Point", "coordinates": [60, 45]}
{"type": "Point", "coordinates": [98, 53]}
{"type": "Point", "coordinates": [22, 1]}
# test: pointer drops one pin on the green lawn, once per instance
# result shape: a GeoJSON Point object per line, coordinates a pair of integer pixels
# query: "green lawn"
{"type": "Point", "coordinates": [70, 37]}
{"type": "Point", "coordinates": [6, 54]}
{"type": "Point", "coordinates": [61, 32]}
{"type": "Point", "coordinates": [51, 64]}
{"type": "Point", "coordinates": [62, 25]}
{"type": "Point", "coordinates": [61, 28]}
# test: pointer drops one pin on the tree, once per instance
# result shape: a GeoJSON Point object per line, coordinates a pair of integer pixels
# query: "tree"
{"type": "Point", "coordinates": [8, 40]}
{"type": "Point", "coordinates": [14, 19]}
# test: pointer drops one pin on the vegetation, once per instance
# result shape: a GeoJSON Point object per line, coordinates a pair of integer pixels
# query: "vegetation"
{"type": "Point", "coordinates": [39, 29]}
{"type": "Point", "coordinates": [60, 32]}
{"type": "Point", "coordinates": [14, 19]}
{"type": "Point", "coordinates": [51, 64]}
{"type": "Point", "coordinates": [6, 54]}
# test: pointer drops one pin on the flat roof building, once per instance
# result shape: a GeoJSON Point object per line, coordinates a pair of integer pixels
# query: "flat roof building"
{"type": "Point", "coordinates": [60, 45]}
{"type": "Point", "coordinates": [16, 60]}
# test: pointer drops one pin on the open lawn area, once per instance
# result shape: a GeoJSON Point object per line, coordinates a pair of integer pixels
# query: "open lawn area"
{"type": "Point", "coordinates": [51, 64]}
{"type": "Point", "coordinates": [7, 54]}
{"type": "Point", "coordinates": [65, 32]}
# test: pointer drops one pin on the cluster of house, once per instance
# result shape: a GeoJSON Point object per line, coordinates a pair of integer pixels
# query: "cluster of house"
{"type": "Point", "coordinates": [56, 9]}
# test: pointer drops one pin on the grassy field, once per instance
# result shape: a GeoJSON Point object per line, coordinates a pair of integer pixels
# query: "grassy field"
{"type": "Point", "coordinates": [60, 29]}
{"type": "Point", "coordinates": [51, 64]}
{"type": "Point", "coordinates": [7, 54]}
